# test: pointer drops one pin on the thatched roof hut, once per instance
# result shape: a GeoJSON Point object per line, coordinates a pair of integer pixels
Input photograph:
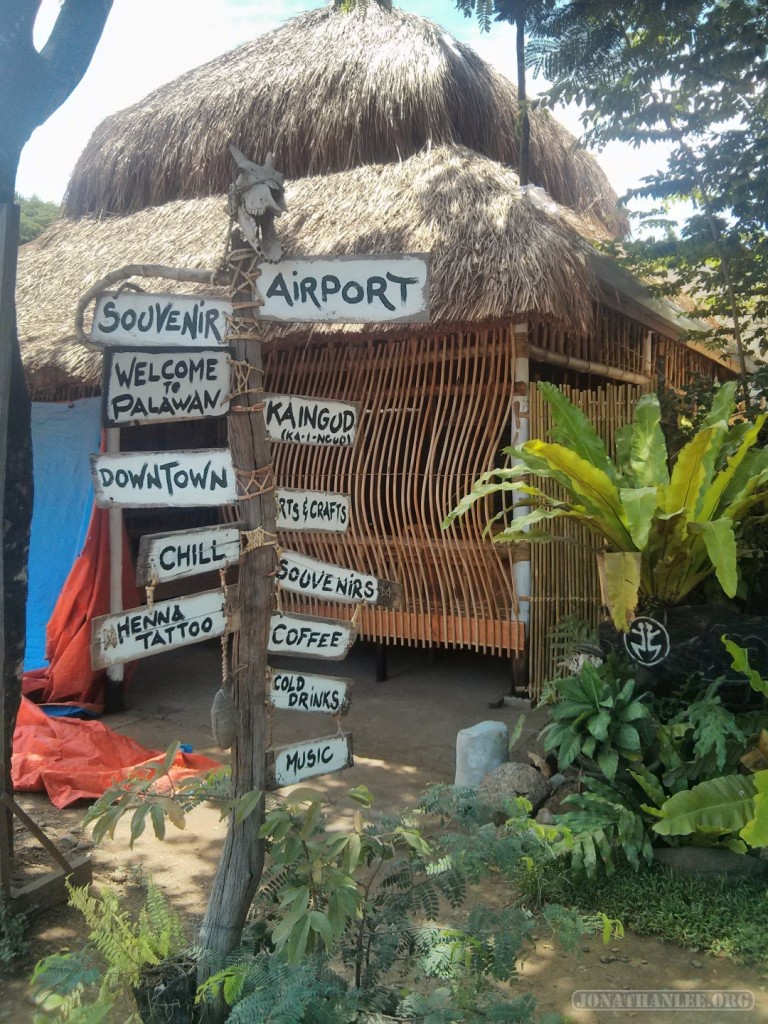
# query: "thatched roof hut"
{"type": "Point", "coordinates": [498, 253]}
{"type": "Point", "coordinates": [328, 91]}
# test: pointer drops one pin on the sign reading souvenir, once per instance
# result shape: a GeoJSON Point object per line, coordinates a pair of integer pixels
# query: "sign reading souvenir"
{"type": "Point", "coordinates": [304, 636]}
{"type": "Point", "coordinates": [346, 289]}
{"type": "Point", "coordinates": [307, 576]}
{"type": "Point", "coordinates": [136, 318]}
{"type": "Point", "coordinates": [305, 691]}
{"type": "Point", "coordinates": [296, 761]}
{"type": "Point", "coordinates": [310, 420]}
{"type": "Point", "coordinates": [646, 641]}
{"type": "Point", "coordinates": [312, 510]}
{"type": "Point", "coordinates": [155, 385]}
{"type": "Point", "coordinates": [139, 632]}
{"type": "Point", "coordinates": [173, 556]}
{"type": "Point", "coordinates": [181, 479]}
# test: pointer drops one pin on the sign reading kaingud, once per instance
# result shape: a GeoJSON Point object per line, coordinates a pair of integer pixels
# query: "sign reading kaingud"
{"type": "Point", "coordinates": [179, 479]}
{"type": "Point", "coordinates": [136, 318]}
{"type": "Point", "coordinates": [346, 289]}
{"type": "Point", "coordinates": [162, 384]}
{"type": "Point", "coordinates": [310, 420]}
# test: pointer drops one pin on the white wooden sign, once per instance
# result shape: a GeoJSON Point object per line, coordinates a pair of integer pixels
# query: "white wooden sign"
{"type": "Point", "coordinates": [305, 691]}
{"type": "Point", "coordinates": [174, 556]}
{"type": "Point", "coordinates": [137, 318]}
{"type": "Point", "coordinates": [346, 289]}
{"type": "Point", "coordinates": [307, 637]}
{"type": "Point", "coordinates": [155, 385]}
{"type": "Point", "coordinates": [310, 420]}
{"type": "Point", "coordinates": [140, 632]}
{"type": "Point", "coordinates": [296, 761]}
{"type": "Point", "coordinates": [181, 479]}
{"type": "Point", "coordinates": [304, 575]}
{"type": "Point", "coordinates": [312, 510]}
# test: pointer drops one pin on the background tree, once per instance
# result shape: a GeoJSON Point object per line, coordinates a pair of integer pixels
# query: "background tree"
{"type": "Point", "coordinates": [34, 216]}
{"type": "Point", "coordinates": [692, 75]}
{"type": "Point", "coordinates": [32, 85]}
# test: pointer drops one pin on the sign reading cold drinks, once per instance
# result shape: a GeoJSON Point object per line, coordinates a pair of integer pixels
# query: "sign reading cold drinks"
{"type": "Point", "coordinates": [305, 691]}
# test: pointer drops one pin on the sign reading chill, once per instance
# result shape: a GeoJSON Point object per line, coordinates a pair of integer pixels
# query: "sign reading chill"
{"type": "Point", "coordinates": [174, 556]}
{"type": "Point", "coordinates": [346, 289]}
{"type": "Point", "coordinates": [181, 479]}
{"type": "Point", "coordinates": [136, 318]}
{"type": "Point", "coordinates": [154, 385]}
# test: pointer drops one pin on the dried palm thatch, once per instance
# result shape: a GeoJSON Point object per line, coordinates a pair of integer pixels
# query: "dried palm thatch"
{"type": "Point", "coordinates": [327, 92]}
{"type": "Point", "coordinates": [499, 253]}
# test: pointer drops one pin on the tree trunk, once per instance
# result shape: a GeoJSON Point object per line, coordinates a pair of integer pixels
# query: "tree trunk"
{"type": "Point", "coordinates": [242, 859]}
{"type": "Point", "coordinates": [522, 97]}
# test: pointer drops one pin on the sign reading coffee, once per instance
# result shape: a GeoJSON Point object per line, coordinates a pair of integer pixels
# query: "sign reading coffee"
{"type": "Point", "coordinates": [304, 636]}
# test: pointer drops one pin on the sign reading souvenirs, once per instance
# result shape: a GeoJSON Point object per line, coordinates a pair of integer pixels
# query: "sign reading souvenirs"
{"type": "Point", "coordinates": [181, 479]}
{"type": "Point", "coordinates": [304, 691]}
{"type": "Point", "coordinates": [304, 575]}
{"type": "Point", "coordinates": [147, 386]}
{"type": "Point", "coordinates": [296, 761]}
{"type": "Point", "coordinates": [646, 641]}
{"type": "Point", "coordinates": [346, 289]}
{"type": "Point", "coordinates": [139, 632]}
{"type": "Point", "coordinates": [312, 510]}
{"type": "Point", "coordinates": [304, 636]}
{"type": "Point", "coordinates": [136, 318]}
{"type": "Point", "coordinates": [173, 556]}
{"type": "Point", "coordinates": [310, 420]}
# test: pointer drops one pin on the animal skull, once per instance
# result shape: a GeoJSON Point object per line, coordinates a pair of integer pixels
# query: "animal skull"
{"type": "Point", "coordinates": [255, 199]}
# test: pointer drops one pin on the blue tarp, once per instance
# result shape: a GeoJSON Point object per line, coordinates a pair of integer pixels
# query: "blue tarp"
{"type": "Point", "coordinates": [64, 434]}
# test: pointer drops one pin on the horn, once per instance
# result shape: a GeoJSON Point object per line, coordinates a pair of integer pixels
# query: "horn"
{"type": "Point", "coordinates": [242, 161]}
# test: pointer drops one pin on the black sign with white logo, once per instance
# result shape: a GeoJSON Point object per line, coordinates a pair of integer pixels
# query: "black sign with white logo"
{"type": "Point", "coordinates": [646, 641]}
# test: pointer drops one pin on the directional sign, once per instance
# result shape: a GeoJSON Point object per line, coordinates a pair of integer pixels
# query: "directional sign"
{"type": "Point", "coordinates": [136, 318]}
{"type": "Point", "coordinates": [173, 556]}
{"type": "Point", "coordinates": [296, 761]}
{"type": "Point", "coordinates": [139, 632]}
{"type": "Point", "coordinates": [310, 420]}
{"type": "Point", "coordinates": [307, 637]}
{"type": "Point", "coordinates": [181, 479]}
{"type": "Point", "coordinates": [346, 289]}
{"type": "Point", "coordinates": [312, 510]}
{"type": "Point", "coordinates": [155, 385]}
{"type": "Point", "coordinates": [304, 575]}
{"type": "Point", "coordinates": [305, 691]}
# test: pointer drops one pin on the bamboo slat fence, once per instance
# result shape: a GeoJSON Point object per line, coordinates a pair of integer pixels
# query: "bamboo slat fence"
{"type": "Point", "coordinates": [434, 414]}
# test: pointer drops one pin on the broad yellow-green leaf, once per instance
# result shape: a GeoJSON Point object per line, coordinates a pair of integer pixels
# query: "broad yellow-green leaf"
{"type": "Point", "coordinates": [720, 543]}
{"type": "Point", "coordinates": [621, 578]}
{"type": "Point", "coordinates": [723, 404]}
{"type": "Point", "coordinates": [648, 451]}
{"type": "Point", "coordinates": [740, 661]}
{"type": "Point", "coordinates": [573, 430]}
{"type": "Point", "coordinates": [639, 504]}
{"type": "Point", "coordinates": [712, 496]}
{"type": "Point", "coordinates": [689, 473]}
{"type": "Point", "coordinates": [755, 832]}
{"type": "Point", "coordinates": [726, 803]}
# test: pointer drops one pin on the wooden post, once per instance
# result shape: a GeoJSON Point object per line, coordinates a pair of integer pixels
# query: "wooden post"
{"type": "Point", "coordinates": [521, 565]}
{"type": "Point", "coordinates": [242, 859]}
{"type": "Point", "coordinates": [114, 694]}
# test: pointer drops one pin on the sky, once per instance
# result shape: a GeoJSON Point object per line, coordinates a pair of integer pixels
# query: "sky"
{"type": "Point", "coordinates": [149, 42]}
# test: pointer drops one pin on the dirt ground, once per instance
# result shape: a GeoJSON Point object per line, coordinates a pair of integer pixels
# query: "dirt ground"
{"type": "Point", "coordinates": [404, 736]}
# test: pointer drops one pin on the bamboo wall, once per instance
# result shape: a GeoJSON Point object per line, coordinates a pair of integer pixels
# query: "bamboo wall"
{"type": "Point", "coordinates": [434, 414]}
{"type": "Point", "coordinates": [564, 573]}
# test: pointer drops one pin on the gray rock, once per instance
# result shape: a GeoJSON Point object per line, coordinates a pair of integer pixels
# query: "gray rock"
{"type": "Point", "coordinates": [704, 860]}
{"type": "Point", "coordinates": [479, 749]}
{"type": "Point", "coordinates": [545, 817]}
{"type": "Point", "coordinates": [511, 780]}
{"type": "Point", "coordinates": [557, 780]}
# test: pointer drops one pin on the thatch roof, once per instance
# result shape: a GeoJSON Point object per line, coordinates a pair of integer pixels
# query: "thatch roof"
{"type": "Point", "coordinates": [499, 253]}
{"type": "Point", "coordinates": [326, 92]}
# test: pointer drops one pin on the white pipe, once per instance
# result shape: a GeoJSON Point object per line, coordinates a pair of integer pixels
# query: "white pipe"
{"type": "Point", "coordinates": [521, 432]}
{"type": "Point", "coordinates": [115, 672]}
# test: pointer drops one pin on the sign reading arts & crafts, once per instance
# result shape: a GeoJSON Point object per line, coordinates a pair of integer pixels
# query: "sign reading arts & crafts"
{"type": "Point", "coordinates": [137, 318]}
{"type": "Point", "coordinates": [310, 420]}
{"type": "Point", "coordinates": [139, 632]}
{"type": "Point", "coordinates": [304, 575]}
{"type": "Point", "coordinates": [173, 556]}
{"type": "Point", "coordinates": [163, 384]}
{"type": "Point", "coordinates": [346, 289]}
{"type": "Point", "coordinates": [306, 691]}
{"type": "Point", "coordinates": [312, 510]}
{"type": "Point", "coordinates": [304, 636]}
{"type": "Point", "coordinates": [180, 479]}
{"type": "Point", "coordinates": [296, 761]}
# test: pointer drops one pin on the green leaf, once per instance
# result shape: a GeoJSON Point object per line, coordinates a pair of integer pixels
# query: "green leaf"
{"type": "Point", "coordinates": [621, 577]}
{"type": "Point", "coordinates": [648, 451]}
{"type": "Point", "coordinates": [639, 504]}
{"type": "Point", "coordinates": [755, 832]}
{"type": "Point", "coordinates": [138, 823]}
{"type": "Point", "coordinates": [609, 763]}
{"type": "Point", "coordinates": [361, 795]}
{"type": "Point", "coordinates": [723, 803]}
{"type": "Point", "coordinates": [247, 804]}
{"type": "Point", "coordinates": [598, 725]}
{"type": "Point", "coordinates": [574, 430]}
{"type": "Point", "coordinates": [170, 756]}
{"type": "Point", "coordinates": [158, 821]}
{"type": "Point", "coordinates": [740, 662]}
{"type": "Point", "coordinates": [720, 542]}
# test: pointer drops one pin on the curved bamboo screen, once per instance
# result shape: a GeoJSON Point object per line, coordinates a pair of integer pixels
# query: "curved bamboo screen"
{"type": "Point", "coordinates": [434, 414]}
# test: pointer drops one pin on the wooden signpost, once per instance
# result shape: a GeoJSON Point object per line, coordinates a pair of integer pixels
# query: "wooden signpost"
{"type": "Point", "coordinates": [312, 510]}
{"type": "Point", "coordinates": [306, 691]}
{"type": "Point", "coordinates": [180, 479]}
{"type": "Point", "coordinates": [140, 632]}
{"type": "Point", "coordinates": [137, 318]}
{"type": "Point", "coordinates": [296, 761]}
{"type": "Point", "coordinates": [310, 420]}
{"type": "Point", "coordinates": [174, 556]}
{"type": "Point", "coordinates": [307, 576]}
{"type": "Point", "coordinates": [304, 636]}
{"type": "Point", "coordinates": [164, 384]}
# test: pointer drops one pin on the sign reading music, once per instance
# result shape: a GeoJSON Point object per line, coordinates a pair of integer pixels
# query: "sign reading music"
{"type": "Point", "coordinates": [296, 761]}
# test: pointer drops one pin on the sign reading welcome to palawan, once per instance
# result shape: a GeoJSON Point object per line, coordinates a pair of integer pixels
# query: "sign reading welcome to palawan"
{"type": "Point", "coordinates": [180, 479]}
{"type": "Point", "coordinates": [155, 385]}
{"type": "Point", "coordinates": [312, 578]}
{"type": "Point", "coordinates": [310, 420]}
{"type": "Point", "coordinates": [346, 289]}
{"type": "Point", "coordinates": [296, 761]}
{"type": "Point", "coordinates": [137, 318]}
{"type": "Point", "coordinates": [139, 632]}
